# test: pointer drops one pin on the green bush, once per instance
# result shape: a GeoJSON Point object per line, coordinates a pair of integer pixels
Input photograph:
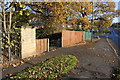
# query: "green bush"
{"type": "Point", "coordinates": [76, 29]}
{"type": "Point", "coordinates": [50, 69]}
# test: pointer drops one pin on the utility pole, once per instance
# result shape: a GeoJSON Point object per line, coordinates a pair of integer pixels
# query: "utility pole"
{"type": "Point", "coordinates": [92, 20]}
{"type": "Point", "coordinates": [1, 58]}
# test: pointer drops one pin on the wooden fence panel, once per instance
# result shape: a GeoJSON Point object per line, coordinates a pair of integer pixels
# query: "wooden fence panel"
{"type": "Point", "coordinates": [42, 45]}
{"type": "Point", "coordinates": [87, 35]}
{"type": "Point", "coordinates": [71, 37]}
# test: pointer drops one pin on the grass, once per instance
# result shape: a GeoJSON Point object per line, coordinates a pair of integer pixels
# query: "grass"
{"type": "Point", "coordinates": [77, 29]}
{"type": "Point", "coordinates": [50, 69]}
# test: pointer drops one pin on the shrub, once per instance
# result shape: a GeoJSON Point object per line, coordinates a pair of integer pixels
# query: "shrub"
{"type": "Point", "coordinates": [49, 69]}
{"type": "Point", "coordinates": [118, 73]}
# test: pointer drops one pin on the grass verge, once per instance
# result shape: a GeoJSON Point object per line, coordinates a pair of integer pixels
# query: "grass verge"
{"type": "Point", "coordinates": [49, 69]}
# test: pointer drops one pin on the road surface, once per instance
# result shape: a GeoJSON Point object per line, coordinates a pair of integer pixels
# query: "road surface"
{"type": "Point", "coordinates": [115, 36]}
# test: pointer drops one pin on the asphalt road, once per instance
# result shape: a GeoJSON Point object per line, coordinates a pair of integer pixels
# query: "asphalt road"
{"type": "Point", "coordinates": [96, 60]}
{"type": "Point", "coordinates": [115, 36]}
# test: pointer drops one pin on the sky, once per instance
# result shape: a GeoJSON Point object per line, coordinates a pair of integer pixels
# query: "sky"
{"type": "Point", "coordinates": [117, 19]}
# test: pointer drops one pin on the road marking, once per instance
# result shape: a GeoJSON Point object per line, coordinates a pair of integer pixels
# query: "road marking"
{"type": "Point", "coordinates": [113, 49]}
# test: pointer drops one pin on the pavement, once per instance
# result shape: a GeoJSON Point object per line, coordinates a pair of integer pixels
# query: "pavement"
{"type": "Point", "coordinates": [96, 60]}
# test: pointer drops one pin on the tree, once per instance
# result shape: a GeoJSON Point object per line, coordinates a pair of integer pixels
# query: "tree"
{"type": "Point", "coordinates": [10, 30]}
{"type": "Point", "coordinates": [79, 14]}
{"type": "Point", "coordinates": [104, 12]}
{"type": "Point", "coordinates": [53, 13]}
{"type": "Point", "coordinates": [118, 12]}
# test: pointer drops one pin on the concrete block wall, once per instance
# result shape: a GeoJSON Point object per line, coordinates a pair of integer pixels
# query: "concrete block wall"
{"type": "Point", "coordinates": [28, 42]}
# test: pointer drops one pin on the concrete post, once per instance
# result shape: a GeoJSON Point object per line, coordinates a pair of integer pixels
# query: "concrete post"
{"type": "Point", "coordinates": [28, 39]}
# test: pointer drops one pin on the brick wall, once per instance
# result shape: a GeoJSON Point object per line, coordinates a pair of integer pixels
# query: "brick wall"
{"type": "Point", "coordinates": [28, 39]}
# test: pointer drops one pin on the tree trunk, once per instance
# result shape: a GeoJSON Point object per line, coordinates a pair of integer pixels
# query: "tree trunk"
{"type": "Point", "coordinates": [9, 49]}
{"type": "Point", "coordinates": [7, 32]}
{"type": "Point", "coordinates": [4, 16]}
{"type": "Point", "coordinates": [9, 40]}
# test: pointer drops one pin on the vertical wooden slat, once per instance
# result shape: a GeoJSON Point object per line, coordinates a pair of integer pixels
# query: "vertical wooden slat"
{"type": "Point", "coordinates": [41, 45]}
{"type": "Point", "coordinates": [48, 45]}
{"type": "Point", "coordinates": [44, 44]}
